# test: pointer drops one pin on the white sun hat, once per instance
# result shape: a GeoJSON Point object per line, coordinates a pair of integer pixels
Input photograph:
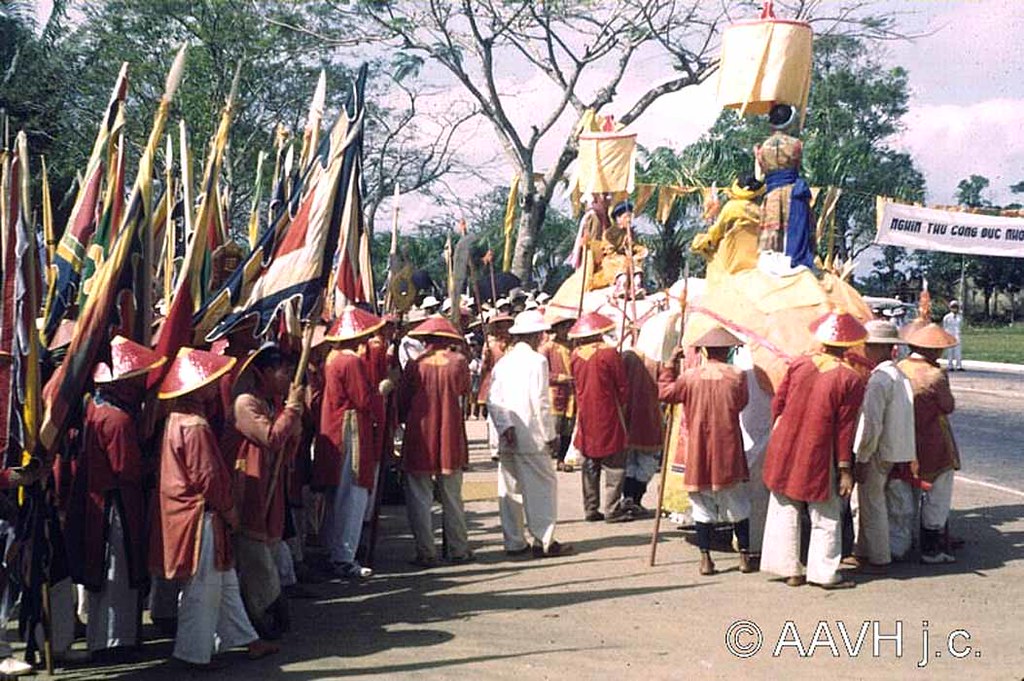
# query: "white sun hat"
{"type": "Point", "coordinates": [529, 321]}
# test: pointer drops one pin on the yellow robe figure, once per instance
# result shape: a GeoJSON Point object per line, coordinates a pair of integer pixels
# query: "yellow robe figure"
{"type": "Point", "coordinates": [731, 244]}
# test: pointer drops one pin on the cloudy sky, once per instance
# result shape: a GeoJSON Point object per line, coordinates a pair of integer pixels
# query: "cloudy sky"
{"type": "Point", "coordinates": [967, 106]}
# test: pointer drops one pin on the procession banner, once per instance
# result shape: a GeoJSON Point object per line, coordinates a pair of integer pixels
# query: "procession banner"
{"type": "Point", "coordinates": [931, 229]}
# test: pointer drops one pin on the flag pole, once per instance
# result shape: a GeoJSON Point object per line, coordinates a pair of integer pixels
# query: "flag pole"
{"type": "Point", "coordinates": [667, 439]}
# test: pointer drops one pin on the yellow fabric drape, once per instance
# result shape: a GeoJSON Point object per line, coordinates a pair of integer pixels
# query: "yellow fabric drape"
{"type": "Point", "coordinates": [644, 192]}
{"type": "Point", "coordinates": [510, 222]}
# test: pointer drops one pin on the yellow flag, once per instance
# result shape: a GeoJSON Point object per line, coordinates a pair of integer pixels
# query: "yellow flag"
{"type": "Point", "coordinates": [510, 221]}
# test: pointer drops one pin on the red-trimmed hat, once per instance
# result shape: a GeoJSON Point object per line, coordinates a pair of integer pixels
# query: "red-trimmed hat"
{"type": "Point", "coordinates": [353, 323]}
{"type": "Point", "coordinates": [62, 336]}
{"type": "Point", "coordinates": [437, 325]}
{"type": "Point", "coordinates": [839, 329]}
{"type": "Point", "coordinates": [591, 324]}
{"type": "Point", "coordinates": [502, 318]}
{"type": "Point", "coordinates": [191, 370]}
{"type": "Point", "coordinates": [931, 336]}
{"type": "Point", "coordinates": [128, 359]}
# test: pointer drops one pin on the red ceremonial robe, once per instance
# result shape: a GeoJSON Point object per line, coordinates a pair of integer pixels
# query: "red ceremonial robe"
{"type": "Point", "coordinates": [643, 413]}
{"type": "Point", "coordinates": [351, 405]}
{"type": "Point", "coordinates": [375, 353]}
{"type": "Point", "coordinates": [712, 396]}
{"type": "Point", "coordinates": [193, 480]}
{"type": "Point", "coordinates": [933, 402]}
{"type": "Point", "coordinates": [559, 378]}
{"type": "Point", "coordinates": [264, 437]}
{"type": "Point", "coordinates": [601, 393]}
{"type": "Point", "coordinates": [815, 412]}
{"type": "Point", "coordinates": [109, 472]}
{"type": "Point", "coordinates": [429, 405]}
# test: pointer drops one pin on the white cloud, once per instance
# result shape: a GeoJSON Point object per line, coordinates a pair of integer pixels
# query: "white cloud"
{"type": "Point", "coordinates": [952, 141]}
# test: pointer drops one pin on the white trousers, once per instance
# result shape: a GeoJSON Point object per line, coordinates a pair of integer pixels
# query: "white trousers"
{"type": "Point", "coordinates": [871, 515]}
{"type": "Point", "coordinates": [343, 524]}
{"type": "Point", "coordinates": [419, 501]}
{"type": "Point", "coordinates": [780, 554]}
{"type": "Point", "coordinates": [724, 505]}
{"type": "Point", "coordinates": [901, 503]}
{"type": "Point", "coordinates": [113, 616]}
{"type": "Point", "coordinates": [954, 357]}
{"type": "Point", "coordinates": [211, 616]}
{"type": "Point", "coordinates": [935, 503]}
{"type": "Point", "coordinates": [527, 486]}
{"type": "Point", "coordinates": [642, 465]}
{"type": "Point", "coordinates": [285, 564]}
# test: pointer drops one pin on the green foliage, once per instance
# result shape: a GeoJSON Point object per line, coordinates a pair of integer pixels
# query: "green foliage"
{"type": "Point", "coordinates": [1003, 344]}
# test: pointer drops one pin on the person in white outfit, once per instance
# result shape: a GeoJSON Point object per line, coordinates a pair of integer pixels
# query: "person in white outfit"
{"type": "Point", "coordinates": [519, 407]}
{"type": "Point", "coordinates": [885, 436]}
{"type": "Point", "coordinates": [951, 324]}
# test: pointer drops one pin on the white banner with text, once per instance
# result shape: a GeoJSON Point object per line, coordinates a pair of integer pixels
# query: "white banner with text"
{"type": "Point", "coordinates": [931, 229]}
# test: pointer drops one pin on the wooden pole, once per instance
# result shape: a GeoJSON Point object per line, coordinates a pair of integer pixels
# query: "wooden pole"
{"type": "Point", "coordinates": [668, 428]}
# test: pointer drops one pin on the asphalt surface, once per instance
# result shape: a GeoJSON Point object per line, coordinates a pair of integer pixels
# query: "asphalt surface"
{"type": "Point", "coordinates": [603, 613]}
{"type": "Point", "coordinates": [989, 426]}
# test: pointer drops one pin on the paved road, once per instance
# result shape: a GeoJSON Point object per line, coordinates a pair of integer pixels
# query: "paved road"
{"type": "Point", "coordinates": [989, 426]}
{"type": "Point", "coordinates": [603, 613]}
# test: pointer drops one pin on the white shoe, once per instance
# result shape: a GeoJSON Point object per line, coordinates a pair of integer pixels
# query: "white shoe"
{"type": "Point", "coordinates": [10, 667]}
{"type": "Point", "coordinates": [352, 571]}
{"type": "Point", "coordinates": [938, 558]}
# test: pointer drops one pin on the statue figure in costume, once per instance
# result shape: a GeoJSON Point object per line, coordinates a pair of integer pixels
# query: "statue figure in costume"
{"type": "Point", "coordinates": [786, 221]}
{"type": "Point", "coordinates": [613, 249]}
{"type": "Point", "coordinates": [731, 244]}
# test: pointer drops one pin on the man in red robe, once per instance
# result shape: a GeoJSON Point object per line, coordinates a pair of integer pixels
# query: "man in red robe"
{"type": "Point", "coordinates": [348, 451]}
{"type": "Point", "coordinates": [809, 462]}
{"type": "Point", "coordinates": [496, 345]}
{"type": "Point", "coordinates": [196, 515]}
{"type": "Point", "coordinates": [937, 453]}
{"type": "Point", "coordinates": [268, 437]}
{"type": "Point", "coordinates": [601, 394]}
{"type": "Point", "coordinates": [435, 447]}
{"type": "Point", "coordinates": [563, 402]}
{"type": "Point", "coordinates": [713, 395]}
{"type": "Point", "coordinates": [644, 429]}
{"type": "Point", "coordinates": [113, 565]}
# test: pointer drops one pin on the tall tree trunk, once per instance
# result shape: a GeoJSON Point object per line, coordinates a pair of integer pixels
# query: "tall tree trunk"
{"type": "Point", "coordinates": [531, 220]}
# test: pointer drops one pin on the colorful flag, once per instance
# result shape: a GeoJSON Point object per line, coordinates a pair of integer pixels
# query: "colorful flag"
{"type": "Point", "coordinates": [301, 260]}
{"type": "Point", "coordinates": [177, 330]}
{"type": "Point", "coordinates": [66, 267]}
{"type": "Point", "coordinates": [67, 384]}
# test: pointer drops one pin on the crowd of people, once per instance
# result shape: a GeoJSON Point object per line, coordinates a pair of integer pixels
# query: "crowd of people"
{"type": "Point", "coordinates": [257, 455]}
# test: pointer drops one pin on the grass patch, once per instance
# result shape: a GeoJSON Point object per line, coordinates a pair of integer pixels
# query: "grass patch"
{"type": "Point", "coordinates": [1000, 344]}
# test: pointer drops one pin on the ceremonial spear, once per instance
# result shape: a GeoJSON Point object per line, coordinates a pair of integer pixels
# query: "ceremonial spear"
{"type": "Point", "coordinates": [671, 420]}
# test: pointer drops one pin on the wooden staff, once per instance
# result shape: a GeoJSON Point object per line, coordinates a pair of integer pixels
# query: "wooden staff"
{"type": "Point", "coordinates": [671, 419]}
{"type": "Point", "coordinates": [300, 377]}
{"type": "Point", "coordinates": [583, 284]}
{"type": "Point", "coordinates": [387, 448]}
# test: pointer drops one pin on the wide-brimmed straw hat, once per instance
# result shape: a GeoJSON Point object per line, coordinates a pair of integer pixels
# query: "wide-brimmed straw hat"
{"type": "Point", "coordinates": [437, 326]}
{"type": "Point", "coordinates": [191, 370]}
{"type": "Point", "coordinates": [591, 324]}
{"type": "Point", "coordinates": [353, 323]}
{"type": "Point", "coordinates": [931, 336]}
{"type": "Point", "coordinates": [128, 359]}
{"type": "Point", "coordinates": [882, 332]}
{"type": "Point", "coordinates": [717, 337]}
{"type": "Point", "coordinates": [839, 329]}
{"type": "Point", "coordinates": [529, 321]}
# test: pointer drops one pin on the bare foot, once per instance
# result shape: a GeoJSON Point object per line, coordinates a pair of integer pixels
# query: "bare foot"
{"type": "Point", "coordinates": [260, 648]}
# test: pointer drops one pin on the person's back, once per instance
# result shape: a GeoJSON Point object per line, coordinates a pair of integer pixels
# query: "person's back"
{"type": "Point", "coordinates": [435, 435]}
